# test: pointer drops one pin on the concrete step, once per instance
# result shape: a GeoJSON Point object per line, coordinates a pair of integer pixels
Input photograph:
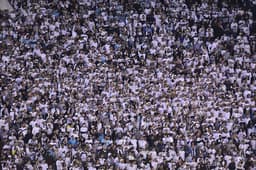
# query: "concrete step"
{"type": "Point", "coordinates": [4, 4]}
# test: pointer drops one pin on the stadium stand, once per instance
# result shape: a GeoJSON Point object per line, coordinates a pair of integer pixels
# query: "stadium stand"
{"type": "Point", "coordinates": [121, 84]}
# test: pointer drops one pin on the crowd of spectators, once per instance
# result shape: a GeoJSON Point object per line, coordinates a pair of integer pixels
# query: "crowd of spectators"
{"type": "Point", "coordinates": [122, 84]}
